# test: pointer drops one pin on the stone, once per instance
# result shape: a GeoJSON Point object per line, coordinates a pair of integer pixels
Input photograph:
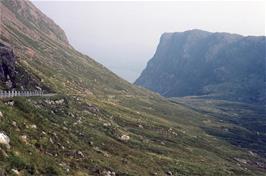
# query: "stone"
{"type": "Point", "coordinates": [59, 102]}
{"type": "Point", "coordinates": [125, 137]}
{"type": "Point", "coordinates": [140, 126]}
{"type": "Point", "coordinates": [51, 140]}
{"type": "Point", "coordinates": [33, 126]}
{"type": "Point", "coordinates": [14, 123]}
{"type": "Point", "coordinates": [1, 114]}
{"type": "Point", "coordinates": [15, 171]}
{"type": "Point", "coordinates": [169, 173]}
{"type": "Point", "coordinates": [24, 139]}
{"type": "Point", "coordinates": [107, 124]}
{"type": "Point", "coordinates": [80, 154]}
{"type": "Point", "coordinates": [108, 173]}
{"type": "Point", "coordinates": [10, 103]}
{"type": "Point", "coordinates": [252, 153]}
{"type": "Point", "coordinates": [240, 160]}
{"type": "Point", "coordinates": [4, 139]}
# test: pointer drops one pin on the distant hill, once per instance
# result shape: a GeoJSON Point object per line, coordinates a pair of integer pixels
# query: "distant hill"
{"type": "Point", "coordinates": [219, 65]}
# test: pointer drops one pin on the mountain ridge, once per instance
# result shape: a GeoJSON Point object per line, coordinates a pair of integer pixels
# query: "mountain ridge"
{"type": "Point", "coordinates": [207, 61]}
{"type": "Point", "coordinates": [17, 9]}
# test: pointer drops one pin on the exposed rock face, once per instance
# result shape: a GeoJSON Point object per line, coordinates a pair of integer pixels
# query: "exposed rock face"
{"type": "Point", "coordinates": [219, 65]}
{"type": "Point", "coordinates": [13, 75]}
{"type": "Point", "coordinates": [7, 66]}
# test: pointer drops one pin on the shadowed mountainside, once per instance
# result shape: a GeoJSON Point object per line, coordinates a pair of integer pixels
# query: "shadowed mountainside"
{"type": "Point", "coordinates": [215, 65]}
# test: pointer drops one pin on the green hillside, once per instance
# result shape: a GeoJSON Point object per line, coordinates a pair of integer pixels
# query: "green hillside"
{"type": "Point", "coordinates": [99, 124]}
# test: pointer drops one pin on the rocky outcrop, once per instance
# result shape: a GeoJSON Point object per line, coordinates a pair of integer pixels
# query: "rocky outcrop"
{"type": "Point", "coordinates": [200, 63]}
{"type": "Point", "coordinates": [13, 76]}
{"type": "Point", "coordinates": [7, 67]}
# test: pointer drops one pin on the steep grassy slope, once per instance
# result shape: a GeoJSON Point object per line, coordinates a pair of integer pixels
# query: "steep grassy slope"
{"type": "Point", "coordinates": [99, 122]}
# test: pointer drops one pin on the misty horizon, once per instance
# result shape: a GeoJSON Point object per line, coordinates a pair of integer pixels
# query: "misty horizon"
{"type": "Point", "coordinates": [123, 36]}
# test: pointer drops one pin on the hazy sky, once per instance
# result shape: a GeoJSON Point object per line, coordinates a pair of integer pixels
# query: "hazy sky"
{"type": "Point", "coordinates": [123, 36]}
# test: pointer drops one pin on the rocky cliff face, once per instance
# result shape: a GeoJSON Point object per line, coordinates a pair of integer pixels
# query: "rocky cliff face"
{"type": "Point", "coordinates": [7, 67]}
{"type": "Point", "coordinates": [13, 75]}
{"type": "Point", "coordinates": [219, 65]}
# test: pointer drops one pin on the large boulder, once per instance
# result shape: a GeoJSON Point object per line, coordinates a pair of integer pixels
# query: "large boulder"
{"type": "Point", "coordinates": [4, 139]}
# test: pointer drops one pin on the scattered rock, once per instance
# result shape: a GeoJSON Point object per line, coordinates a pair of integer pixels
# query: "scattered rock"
{"type": "Point", "coordinates": [174, 133]}
{"type": "Point", "coordinates": [1, 114]}
{"type": "Point", "coordinates": [59, 102]}
{"type": "Point", "coordinates": [4, 139]}
{"type": "Point", "coordinates": [140, 126]}
{"type": "Point", "coordinates": [65, 166]}
{"type": "Point", "coordinates": [107, 124]}
{"type": "Point", "coordinates": [51, 140]}
{"type": "Point", "coordinates": [71, 114]}
{"type": "Point", "coordinates": [65, 128]}
{"type": "Point", "coordinates": [77, 122]}
{"type": "Point", "coordinates": [105, 154]}
{"type": "Point", "coordinates": [261, 165]}
{"type": "Point", "coordinates": [169, 173]}
{"type": "Point", "coordinates": [54, 102]}
{"type": "Point", "coordinates": [10, 103]}
{"type": "Point", "coordinates": [14, 123]}
{"type": "Point", "coordinates": [243, 161]}
{"type": "Point", "coordinates": [80, 154]}
{"type": "Point", "coordinates": [252, 153]}
{"type": "Point", "coordinates": [97, 149]}
{"type": "Point", "coordinates": [33, 126]}
{"type": "Point", "coordinates": [91, 108]}
{"type": "Point", "coordinates": [125, 137]}
{"type": "Point", "coordinates": [24, 139]}
{"type": "Point", "coordinates": [15, 171]}
{"type": "Point", "coordinates": [108, 173]}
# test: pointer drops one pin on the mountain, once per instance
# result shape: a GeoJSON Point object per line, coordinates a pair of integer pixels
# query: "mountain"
{"type": "Point", "coordinates": [199, 63]}
{"type": "Point", "coordinates": [95, 123]}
